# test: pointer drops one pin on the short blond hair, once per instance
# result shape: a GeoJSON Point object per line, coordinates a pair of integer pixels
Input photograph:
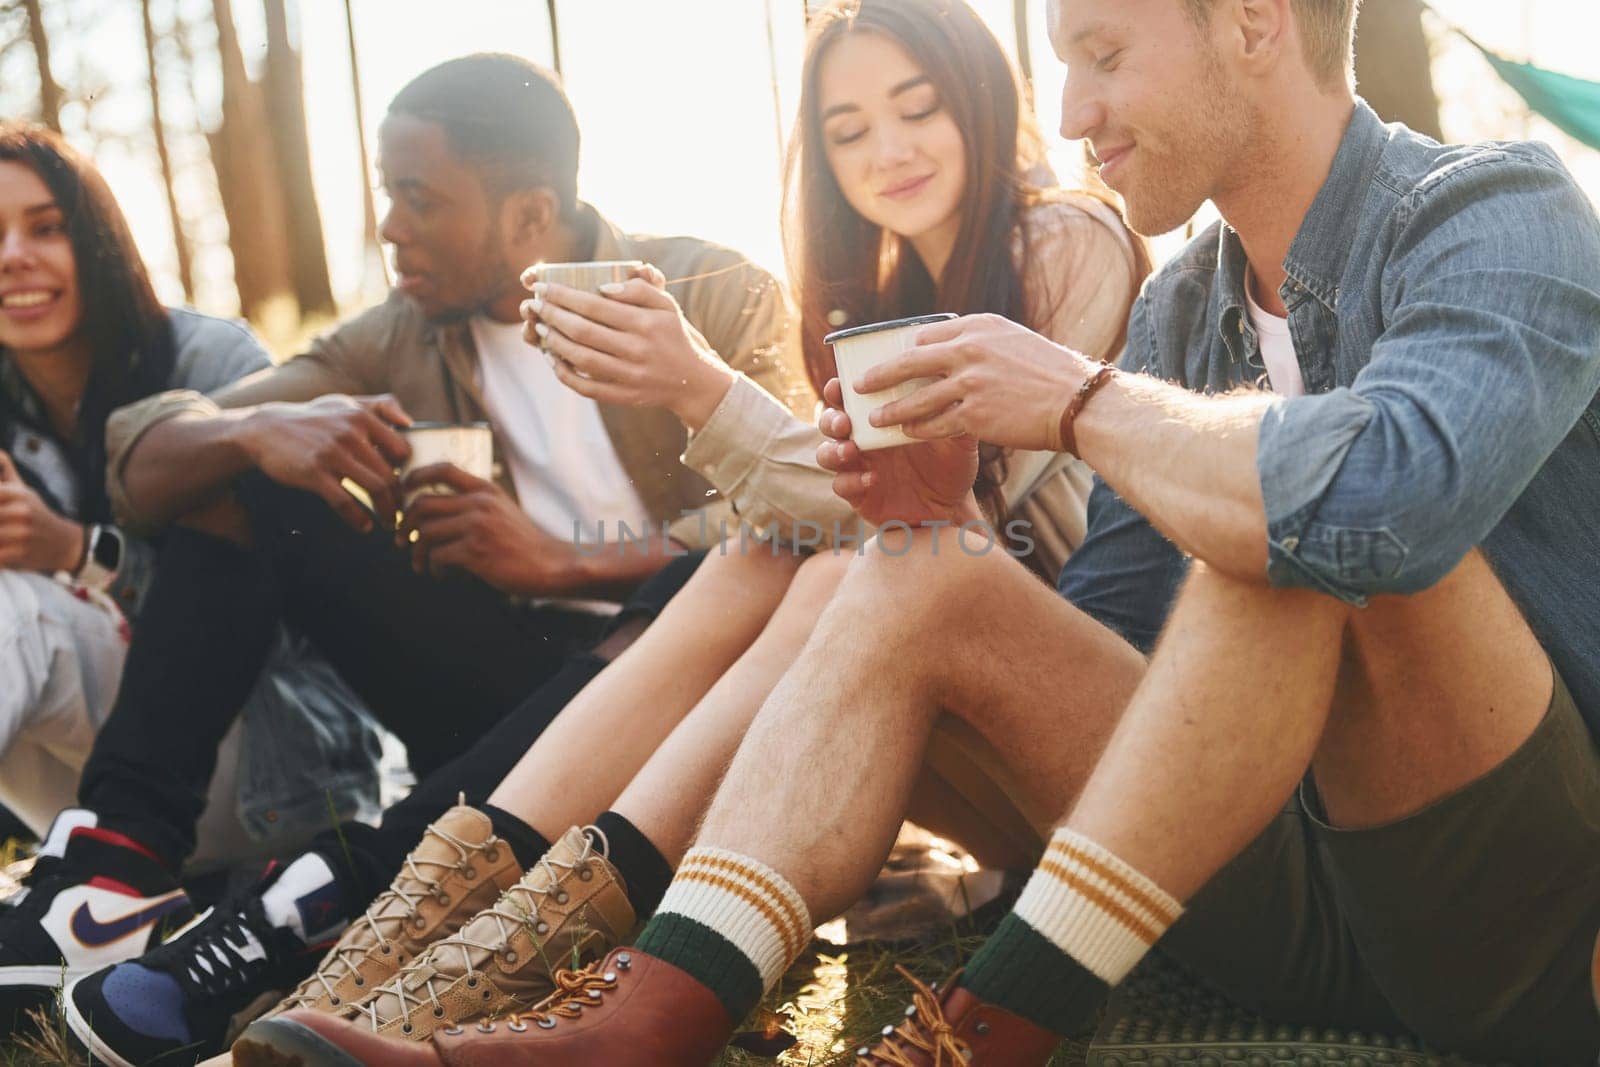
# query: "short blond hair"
{"type": "Point", "coordinates": [1327, 32]}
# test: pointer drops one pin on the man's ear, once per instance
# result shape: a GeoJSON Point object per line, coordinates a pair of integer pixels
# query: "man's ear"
{"type": "Point", "coordinates": [1263, 31]}
{"type": "Point", "coordinates": [528, 215]}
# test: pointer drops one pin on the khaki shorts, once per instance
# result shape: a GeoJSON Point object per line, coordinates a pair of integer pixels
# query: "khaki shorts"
{"type": "Point", "coordinates": [1471, 923]}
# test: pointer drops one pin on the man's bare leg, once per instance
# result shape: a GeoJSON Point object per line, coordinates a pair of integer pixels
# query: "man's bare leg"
{"type": "Point", "coordinates": [834, 753]}
{"type": "Point", "coordinates": [1394, 707]}
{"type": "Point", "coordinates": [1433, 690]}
{"type": "Point", "coordinates": [667, 797]}
{"type": "Point", "coordinates": [601, 739]}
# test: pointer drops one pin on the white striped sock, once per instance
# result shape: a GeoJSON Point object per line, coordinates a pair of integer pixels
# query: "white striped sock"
{"type": "Point", "coordinates": [1094, 907]}
{"type": "Point", "coordinates": [746, 902]}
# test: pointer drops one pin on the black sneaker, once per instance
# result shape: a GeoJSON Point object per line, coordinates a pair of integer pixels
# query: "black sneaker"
{"type": "Point", "coordinates": [187, 1000]}
{"type": "Point", "coordinates": [93, 898]}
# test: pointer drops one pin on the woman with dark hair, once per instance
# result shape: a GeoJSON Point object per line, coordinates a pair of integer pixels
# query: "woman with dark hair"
{"type": "Point", "coordinates": [81, 334]}
{"type": "Point", "coordinates": [915, 184]}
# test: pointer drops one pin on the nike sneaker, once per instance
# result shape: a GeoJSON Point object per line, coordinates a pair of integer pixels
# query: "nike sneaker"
{"type": "Point", "coordinates": [93, 898]}
{"type": "Point", "coordinates": [187, 999]}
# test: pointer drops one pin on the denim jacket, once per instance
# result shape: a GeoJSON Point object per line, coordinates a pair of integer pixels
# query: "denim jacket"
{"type": "Point", "coordinates": [1444, 302]}
{"type": "Point", "coordinates": [308, 741]}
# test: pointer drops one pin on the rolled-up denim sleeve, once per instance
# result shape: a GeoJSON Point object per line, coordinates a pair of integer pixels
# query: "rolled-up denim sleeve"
{"type": "Point", "coordinates": [1489, 356]}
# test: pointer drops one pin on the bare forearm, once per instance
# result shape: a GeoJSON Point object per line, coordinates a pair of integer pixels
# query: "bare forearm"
{"type": "Point", "coordinates": [1188, 463]}
{"type": "Point", "coordinates": [180, 463]}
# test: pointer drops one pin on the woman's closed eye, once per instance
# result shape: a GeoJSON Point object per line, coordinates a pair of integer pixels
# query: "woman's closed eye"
{"type": "Point", "coordinates": [843, 137]}
{"type": "Point", "coordinates": [926, 113]}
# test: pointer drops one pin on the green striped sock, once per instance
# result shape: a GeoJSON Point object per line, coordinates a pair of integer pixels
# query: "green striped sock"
{"type": "Point", "coordinates": [707, 957]}
{"type": "Point", "coordinates": [1020, 970]}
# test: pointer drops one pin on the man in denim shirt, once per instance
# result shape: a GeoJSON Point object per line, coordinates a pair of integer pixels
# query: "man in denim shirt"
{"type": "Point", "coordinates": [1357, 777]}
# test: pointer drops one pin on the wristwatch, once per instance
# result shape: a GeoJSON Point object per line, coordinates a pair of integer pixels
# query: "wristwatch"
{"type": "Point", "coordinates": [103, 558]}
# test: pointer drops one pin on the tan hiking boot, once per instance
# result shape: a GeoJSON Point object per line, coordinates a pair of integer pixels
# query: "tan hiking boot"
{"type": "Point", "coordinates": [570, 908]}
{"type": "Point", "coordinates": [459, 868]}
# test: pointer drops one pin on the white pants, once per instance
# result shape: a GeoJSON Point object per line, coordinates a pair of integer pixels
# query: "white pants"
{"type": "Point", "coordinates": [61, 660]}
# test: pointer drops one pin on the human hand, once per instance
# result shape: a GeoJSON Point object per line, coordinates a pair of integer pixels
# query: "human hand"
{"type": "Point", "coordinates": [479, 529]}
{"type": "Point", "coordinates": [316, 445]}
{"type": "Point", "coordinates": [926, 482]}
{"type": "Point", "coordinates": [32, 537]}
{"type": "Point", "coordinates": [998, 381]}
{"type": "Point", "coordinates": [629, 344]}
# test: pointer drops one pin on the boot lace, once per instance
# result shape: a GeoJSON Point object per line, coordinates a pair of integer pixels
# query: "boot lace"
{"type": "Point", "coordinates": [575, 990]}
{"type": "Point", "coordinates": [925, 1030]}
{"type": "Point", "coordinates": [412, 889]}
{"type": "Point", "coordinates": [517, 908]}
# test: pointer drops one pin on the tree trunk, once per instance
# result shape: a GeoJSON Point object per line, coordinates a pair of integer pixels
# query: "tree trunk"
{"type": "Point", "coordinates": [251, 200]}
{"type": "Point", "coordinates": [555, 35]}
{"type": "Point", "coordinates": [1393, 65]}
{"type": "Point", "coordinates": [1019, 20]}
{"type": "Point", "coordinates": [286, 116]}
{"type": "Point", "coordinates": [180, 240]}
{"type": "Point", "coordinates": [49, 91]}
{"type": "Point", "coordinates": [369, 231]}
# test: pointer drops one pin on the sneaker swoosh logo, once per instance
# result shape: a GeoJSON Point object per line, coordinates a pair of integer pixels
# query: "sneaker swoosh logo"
{"type": "Point", "coordinates": [92, 933]}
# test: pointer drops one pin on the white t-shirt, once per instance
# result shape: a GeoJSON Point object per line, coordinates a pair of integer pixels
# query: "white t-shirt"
{"type": "Point", "coordinates": [562, 461]}
{"type": "Point", "coordinates": [1277, 348]}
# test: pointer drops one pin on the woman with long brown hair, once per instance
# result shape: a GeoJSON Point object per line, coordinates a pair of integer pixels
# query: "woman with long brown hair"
{"type": "Point", "coordinates": [81, 334]}
{"type": "Point", "coordinates": [915, 183]}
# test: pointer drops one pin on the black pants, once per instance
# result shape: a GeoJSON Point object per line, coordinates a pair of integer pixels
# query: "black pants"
{"type": "Point", "coordinates": [439, 661]}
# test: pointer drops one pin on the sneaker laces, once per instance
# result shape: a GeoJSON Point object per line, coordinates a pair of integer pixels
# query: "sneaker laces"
{"type": "Point", "coordinates": [925, 1029]}
{"type": "Point", "coordinates": [517, 908]}
{"type": "Point", "coordinates": [219, 955]}
{"type": "Point", "coordinates": [347, 954]}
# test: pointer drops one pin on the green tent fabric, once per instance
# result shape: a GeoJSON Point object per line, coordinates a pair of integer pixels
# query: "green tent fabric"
{"type": "Point", "coordinates": [1572, 104]}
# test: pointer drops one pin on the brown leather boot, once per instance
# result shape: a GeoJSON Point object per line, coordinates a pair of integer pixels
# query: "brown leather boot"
{"type": "Point", "coordinates": [956, 1029]}
{"type": "Point", "coordinates": [629, 1010]}
{"type": "Point", "coordinates": [459, 868]}
{"type": "Point", "coordinates": [569, 909]}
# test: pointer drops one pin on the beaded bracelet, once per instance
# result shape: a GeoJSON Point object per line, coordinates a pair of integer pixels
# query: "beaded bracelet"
{"type": "Point", "coordinates": [1069, 442]}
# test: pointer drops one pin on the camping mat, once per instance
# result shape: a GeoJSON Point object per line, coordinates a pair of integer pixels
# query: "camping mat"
{"type": "Point", "coordinates": [1160, 1017]}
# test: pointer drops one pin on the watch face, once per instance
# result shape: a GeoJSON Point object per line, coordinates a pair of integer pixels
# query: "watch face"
{"type": "Point", "coordinates": [108, 548]}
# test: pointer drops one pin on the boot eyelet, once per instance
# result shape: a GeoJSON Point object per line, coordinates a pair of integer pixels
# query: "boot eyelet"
{"type": "Point", "coordinates": [388, 950]}
{"type": "Point", "coordinates": [911, 1010]}
{"type": "Point", "coordinates": [360, 981]}
{"type": "Point", "coordinates": [472, 981]}
{"type": "Point", "coordinates": [493, 856]}
{"type": "Point", "coordinates": [586, 874]}
{"type": "Point", "coordinates": [438, 1013]}
{"type": "Point", "coordinates": [469, 873]}
{"type": "Point", "coordinates": [561, 897]}
{"type": "Point", "coordinates": [487, 994]}
{"type": "Point", "coordinates": [543, 928]}
{"type": "Point", "coordinates": [509, 959]}
{"type": "Point", "coordinates": [517, 1027]}
{"type": "Point", "coordinates": [444, 900]}
{"type": "Point", "coordinates": [547, 1024]}
{"type": "Point", "coordinates": [887, 1031]}
{"type": "Point", "coordinates": [454, 1031]}
{"type": "Point", "coordinates": [419, 922]}
{"type": "Point", "coordinates": [335, 1001]}
{"type": "Point", "coordinates": [624, 961]}
{"type": "Point", "coordinates": [486, 1028]}
{"type": "Point", "coordinates": [609, 976]}
{"type": "Point", "coordinates": [594, 994]}
{"type": "Point", "coordinates": [406, 1028]}
{"type": "Point", "coordinates": [981, 1029]}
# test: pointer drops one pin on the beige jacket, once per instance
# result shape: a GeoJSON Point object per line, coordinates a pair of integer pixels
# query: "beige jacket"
{"type": "Point", "coordinates": [763, 458]}
{"type": "Point", "coordinates": [433, 371]}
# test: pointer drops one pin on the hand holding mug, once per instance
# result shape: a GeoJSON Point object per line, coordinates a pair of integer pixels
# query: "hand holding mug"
{"type": "Point", "coordinates": [628, 343]}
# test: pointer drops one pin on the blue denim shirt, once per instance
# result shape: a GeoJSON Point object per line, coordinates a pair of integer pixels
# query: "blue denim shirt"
{"type": "Point", "coordinates": [1444, 302]}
